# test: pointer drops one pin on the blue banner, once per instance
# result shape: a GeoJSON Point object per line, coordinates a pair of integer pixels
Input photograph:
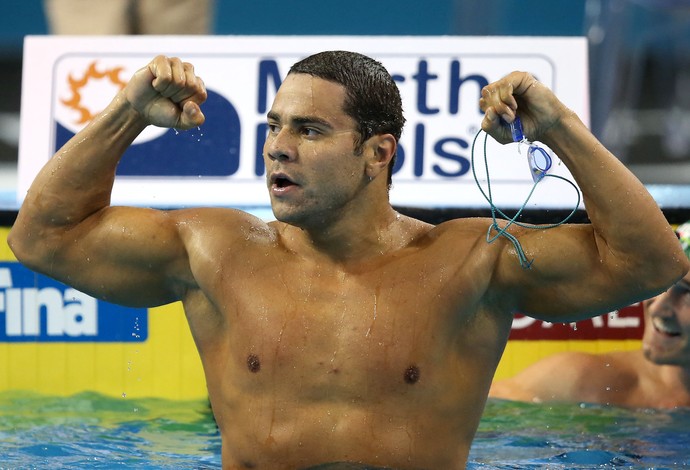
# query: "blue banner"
{"type": "Point", "coordinates": [36, 308]}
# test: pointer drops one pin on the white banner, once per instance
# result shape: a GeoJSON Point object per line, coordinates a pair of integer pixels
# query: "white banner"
{"type": "Point", "coordinates": [67, 80]}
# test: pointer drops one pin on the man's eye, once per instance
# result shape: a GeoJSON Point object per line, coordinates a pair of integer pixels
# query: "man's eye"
{"type": "Point", "coordinates": [273, 129]}
{"type": "Point", "coordinates": [682, 291]}
{"type": "Point", "coordinates": [310, 132]}
{"type": "Point", "coordinates": [683, 288]}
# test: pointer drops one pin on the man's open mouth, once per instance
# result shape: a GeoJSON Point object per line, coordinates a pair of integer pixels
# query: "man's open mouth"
{"type": "Point", "coordinates": [664, 327]}
{"type": "Point", "coordinates": [281, 181]}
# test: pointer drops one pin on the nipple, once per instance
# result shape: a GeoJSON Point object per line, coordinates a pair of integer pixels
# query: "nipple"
{"type": "Point", "coordinates": [412, 374]}
{"type": "Point", "coordinates": [253, 363]}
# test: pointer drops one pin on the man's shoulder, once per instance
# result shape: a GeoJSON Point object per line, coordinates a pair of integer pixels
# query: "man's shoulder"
{"type": "Point", "coordinates": [590, 366]}
{"type": "Point", "coordinates": [464, 235]}
{"type": "Point", "coordinates": [211, 221]}
{"type": "Point", "coordinates": [215, 215]}
{"type": "Point", "coordinates": [465, 226]}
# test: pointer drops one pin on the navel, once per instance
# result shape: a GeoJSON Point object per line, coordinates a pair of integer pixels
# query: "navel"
{"type": "Point", "coordinates": [412, 374]}
{"type": "Point", "coordinates": [253, 363]}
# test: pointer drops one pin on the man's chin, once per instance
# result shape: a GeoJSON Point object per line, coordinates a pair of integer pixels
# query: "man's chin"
{"type": "Point", "coordinates": [288, 215]}
{"type": "Point", "coordinates": [662, 356]}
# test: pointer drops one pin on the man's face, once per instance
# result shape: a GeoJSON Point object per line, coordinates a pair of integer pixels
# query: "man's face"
{"type": "Point", "coordinates": [666, 337]}
{"type": "Point", "coordinates": [312, 170]}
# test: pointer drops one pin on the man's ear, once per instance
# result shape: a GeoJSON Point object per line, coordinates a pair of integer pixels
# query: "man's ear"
{"type": "Point", "coordinates": [382, 148]}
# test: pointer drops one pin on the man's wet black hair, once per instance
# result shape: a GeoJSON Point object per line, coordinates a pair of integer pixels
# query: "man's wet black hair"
{"type": "Point", "coordinates": [372, 98]}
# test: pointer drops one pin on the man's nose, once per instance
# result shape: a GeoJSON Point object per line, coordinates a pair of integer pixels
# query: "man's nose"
{"type": "Point", "coordinates": [281, 145]}
{"type": "Point", "coordinates": [660, 305]}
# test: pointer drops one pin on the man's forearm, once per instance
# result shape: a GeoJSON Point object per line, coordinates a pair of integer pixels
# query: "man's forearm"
{"type": "Point", "coordinates": [78, 180]}
{"type": "Point", "coordinates": [623, 213]}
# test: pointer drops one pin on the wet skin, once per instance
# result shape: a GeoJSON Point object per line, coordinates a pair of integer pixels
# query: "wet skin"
{"type": "Point", "coordinates": [667, 326]}
{"type": "Point", "coordinates": [308, 360]}
{"type": "Point", "coordinates": [324, 349]}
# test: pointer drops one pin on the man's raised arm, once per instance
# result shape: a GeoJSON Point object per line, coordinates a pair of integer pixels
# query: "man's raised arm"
{"type": "Point", "coordinates": [66, 227]}
{"type": "Point", "coordinates": [628, 253]}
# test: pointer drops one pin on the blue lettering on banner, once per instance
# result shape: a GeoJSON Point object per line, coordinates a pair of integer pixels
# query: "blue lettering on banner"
{"type": "Point", "coordinates": [456, 164]}
{"type": "Point", "coordinates": [268, 69]}
{"type": "Point", "coordinates": [423, 77]}
{"type": "Point", "coordinates": [214, 149]}
{"type": "Point", "coordinates": [456, 81]}
{"type": "Point", "coordinates": [268, 72]}
{"type": "Point", "coordinates": [441, 150]}
{"type": "Point", "coordinates": [259, 165]}
{"type": "Point", "coordinates": [36, 308]}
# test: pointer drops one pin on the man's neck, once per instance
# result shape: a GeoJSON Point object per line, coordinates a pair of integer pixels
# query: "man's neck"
{"type": "Point", "coordinates": [676, 379]}
{"type": "Point", "coordinates": [350, 239]}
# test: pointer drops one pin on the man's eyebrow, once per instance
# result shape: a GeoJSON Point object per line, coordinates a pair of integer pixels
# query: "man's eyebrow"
{"type": "Point", "coordinates": [300, 120]}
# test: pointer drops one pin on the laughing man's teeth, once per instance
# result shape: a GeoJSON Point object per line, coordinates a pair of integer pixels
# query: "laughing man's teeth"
{"type": "Point", "coordinates": [662, 327]}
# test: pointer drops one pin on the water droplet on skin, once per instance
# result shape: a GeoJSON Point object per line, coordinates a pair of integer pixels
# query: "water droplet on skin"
{"type": "Point", "coordinates": [374, 318]}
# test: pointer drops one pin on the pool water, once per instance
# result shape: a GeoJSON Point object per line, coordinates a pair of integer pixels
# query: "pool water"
{"type": "Point", "coordinates": [90, 431]}
{"type": "Point", "coordinates": [569, 436]}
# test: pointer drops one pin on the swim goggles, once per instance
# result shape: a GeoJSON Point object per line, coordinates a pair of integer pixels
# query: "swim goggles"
{"type": "Point", "coordinates": [538, 158]}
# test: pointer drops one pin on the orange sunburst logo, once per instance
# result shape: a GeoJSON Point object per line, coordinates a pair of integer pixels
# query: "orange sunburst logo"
{"type": "Point", "coordinates": [76, 85]}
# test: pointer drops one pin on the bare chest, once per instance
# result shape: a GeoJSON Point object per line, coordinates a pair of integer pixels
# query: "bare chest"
{"type": "Point", "coordinates": [340, 328]}
{"type": "Point", "coordinates": [381, 329]}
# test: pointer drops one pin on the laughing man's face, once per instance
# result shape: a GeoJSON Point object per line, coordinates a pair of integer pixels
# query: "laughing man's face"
{"type": "Point", "coordinates": [666, 338]}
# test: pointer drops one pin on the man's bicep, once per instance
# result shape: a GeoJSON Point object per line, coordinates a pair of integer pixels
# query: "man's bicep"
{"type": "Point", "coordinates": [126, 255]}
{"type": "Point", "coordinates": [571, 275]}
